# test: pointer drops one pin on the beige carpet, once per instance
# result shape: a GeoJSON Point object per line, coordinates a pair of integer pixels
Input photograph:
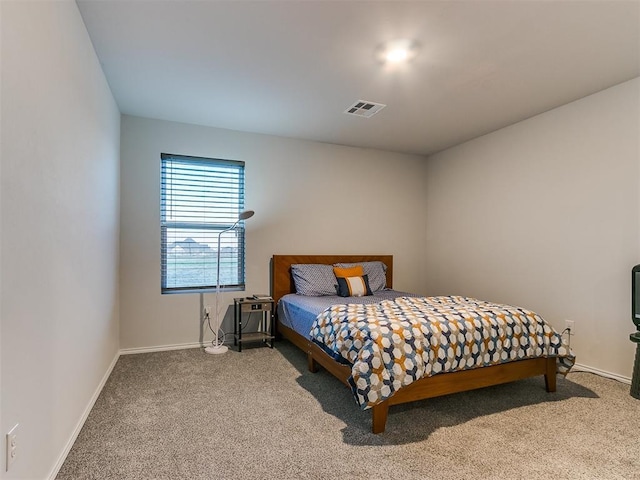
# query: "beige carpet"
{"type": "Point", "coordinates": [259, 414]}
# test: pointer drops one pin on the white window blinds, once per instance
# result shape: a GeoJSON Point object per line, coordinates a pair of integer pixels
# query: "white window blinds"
{"type": "Point", "coordinates": [201, 197]}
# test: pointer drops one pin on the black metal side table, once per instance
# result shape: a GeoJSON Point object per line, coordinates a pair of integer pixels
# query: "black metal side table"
{"type": "Point", "coordinates": [266, 326]}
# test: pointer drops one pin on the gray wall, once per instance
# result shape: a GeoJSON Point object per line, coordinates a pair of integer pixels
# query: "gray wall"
{"type": "Point", "coordinates": [308, 197]}
{"type": "Point", "coordinates": [59, 230]}
{"type": "Point", "coordinates": [546, 214]}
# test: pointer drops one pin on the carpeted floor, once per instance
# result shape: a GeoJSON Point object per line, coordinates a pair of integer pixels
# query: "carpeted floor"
{"type": "Point", "coordinates": [259, 414]}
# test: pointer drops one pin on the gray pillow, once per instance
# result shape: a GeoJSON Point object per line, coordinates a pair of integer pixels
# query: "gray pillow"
{"type": "Point", "coordinates": [375, 271]}
{"type": "Point", "coordinates": [314, 279]}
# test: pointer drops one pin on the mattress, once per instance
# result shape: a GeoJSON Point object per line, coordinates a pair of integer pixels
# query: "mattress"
{"type": "Point", "coordinates": [298, 312]}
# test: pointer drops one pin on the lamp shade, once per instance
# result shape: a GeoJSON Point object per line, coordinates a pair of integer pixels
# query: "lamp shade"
{"type": "Point", "coordinates": [246, 214]}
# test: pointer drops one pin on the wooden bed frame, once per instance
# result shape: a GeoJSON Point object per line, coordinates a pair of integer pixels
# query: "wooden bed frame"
{"type": "Point", "coordinates": [428, 387]}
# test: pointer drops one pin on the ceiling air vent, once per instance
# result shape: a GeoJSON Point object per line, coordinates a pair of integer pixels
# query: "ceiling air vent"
{"type": "Point", "coordinates": [362, 108]}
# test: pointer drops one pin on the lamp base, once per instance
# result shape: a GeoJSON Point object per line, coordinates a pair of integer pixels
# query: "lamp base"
{"type": "Point", "coordinates": [216, 349]}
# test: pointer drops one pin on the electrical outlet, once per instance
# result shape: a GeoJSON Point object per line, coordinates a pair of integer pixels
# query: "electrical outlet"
{"type": "Point", "coordinates": [12, 446]}
{"type": "Point", "coordinates": [570, 324]}
{"type": "Point", "coordinates": [207, 311]}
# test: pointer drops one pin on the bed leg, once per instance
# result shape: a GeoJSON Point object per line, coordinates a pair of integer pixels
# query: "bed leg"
{"type": "Point", "coordinates": [379, 414]}
{"type": "Point", "coordinates": [550, 376]}
{"type": "Point", "coordinates": [311, 363]}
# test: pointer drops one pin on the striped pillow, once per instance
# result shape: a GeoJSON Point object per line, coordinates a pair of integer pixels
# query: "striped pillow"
{"type": "Point", "coordinates": [354, 286]}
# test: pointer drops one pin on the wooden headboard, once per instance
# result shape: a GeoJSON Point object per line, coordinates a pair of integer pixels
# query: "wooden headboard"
{"type": "Point", "coordinates": [282, 281]}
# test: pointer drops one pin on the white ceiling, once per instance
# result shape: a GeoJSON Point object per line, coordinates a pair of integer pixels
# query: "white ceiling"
{"type": "Point", "coordinates": [292, 68]}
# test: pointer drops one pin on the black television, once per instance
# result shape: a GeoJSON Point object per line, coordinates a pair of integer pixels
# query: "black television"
{"type": "Point", "coordinates": [635, 295]}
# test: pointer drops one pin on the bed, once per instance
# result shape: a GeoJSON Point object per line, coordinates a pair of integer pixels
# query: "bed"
{"type": "Point", "coordinates": [326, 326]}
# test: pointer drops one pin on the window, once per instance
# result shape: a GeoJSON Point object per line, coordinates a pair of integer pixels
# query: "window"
{"type": "Point", "coordinates": [200, 198]}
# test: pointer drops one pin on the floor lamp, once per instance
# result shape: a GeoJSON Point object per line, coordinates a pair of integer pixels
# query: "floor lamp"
{"type": "Point", "coordinates": [217, 346]}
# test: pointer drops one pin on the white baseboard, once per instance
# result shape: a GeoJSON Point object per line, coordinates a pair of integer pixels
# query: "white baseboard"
{"type": "Point", "coordinates": [584, 368]}
{"type": "Point", "coordinates": [162, 348]}
{"type": "Point", "coordinates": [83, 418]}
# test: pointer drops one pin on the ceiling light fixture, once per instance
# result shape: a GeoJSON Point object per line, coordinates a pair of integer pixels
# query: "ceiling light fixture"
{"type": "Point", "coordinates": [397, 51]}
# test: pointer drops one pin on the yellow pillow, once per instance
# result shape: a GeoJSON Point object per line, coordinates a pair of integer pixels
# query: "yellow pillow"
{"type": "Point", "coordinates": [356, 271]}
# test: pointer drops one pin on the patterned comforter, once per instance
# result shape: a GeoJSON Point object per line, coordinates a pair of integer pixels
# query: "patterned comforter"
{"type": "Point", "coordinates": [395, 342]}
